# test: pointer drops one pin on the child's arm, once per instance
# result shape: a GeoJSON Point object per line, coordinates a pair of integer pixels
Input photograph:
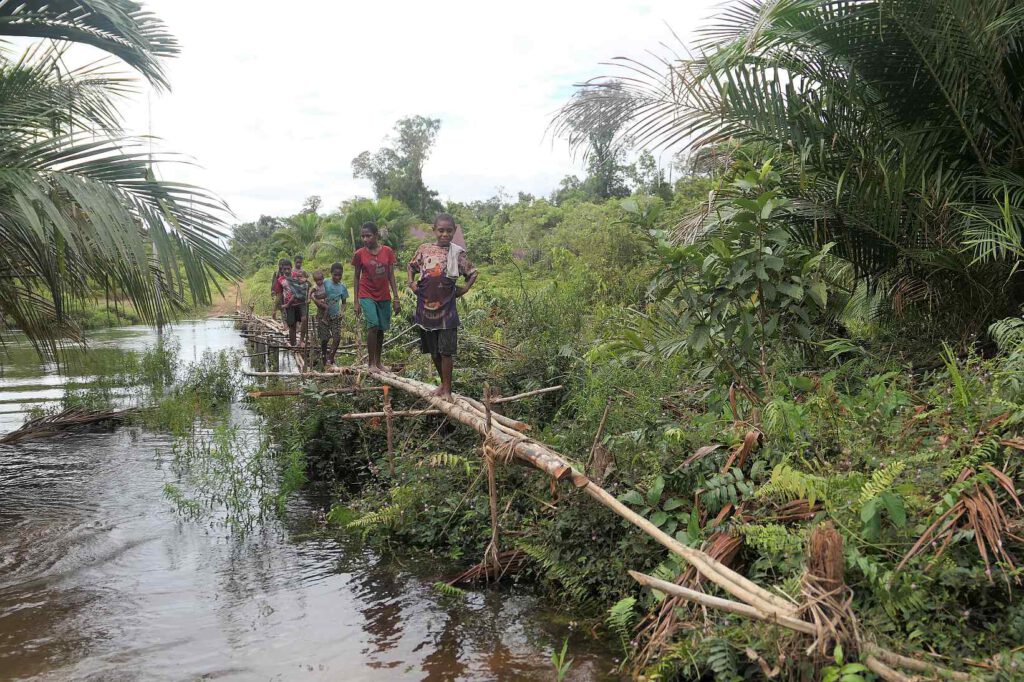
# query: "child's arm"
{"type": "Point", "coordinates": [410, 271]}
{"type": "Point", "coordinates": [394, 289]}
{"type": "Point", "coordinates": [469, 272]}
{"type": "Point", "coordinates": [464, 289]}
{"type": "Point", "coordinates": [357, 269]}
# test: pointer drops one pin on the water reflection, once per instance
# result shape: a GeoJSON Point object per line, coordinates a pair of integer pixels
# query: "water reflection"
{"type": "Point", "coordinates": [100, 579]}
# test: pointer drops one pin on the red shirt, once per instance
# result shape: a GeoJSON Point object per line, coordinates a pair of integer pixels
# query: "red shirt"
{"type": "Point", "coordinates": [373, 272]}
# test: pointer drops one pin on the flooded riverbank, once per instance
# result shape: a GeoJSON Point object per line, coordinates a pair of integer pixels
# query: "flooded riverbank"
{"type": "Point", "coordinates": [100, 578]}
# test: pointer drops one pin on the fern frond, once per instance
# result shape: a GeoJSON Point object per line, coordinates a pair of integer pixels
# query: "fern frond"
{"type": "Point", "coordinates": [448, 460]}
{"type": "Point", "coordinates": [620, 619]}
{"type": "Point", "coordinates": [787, 484]}
{"type": "Point", "coordinates": [571, 579]}
{"type": "Point", "coordinates": [449, 590]}
{"type": "Point", "coordinates": [772, 539]}
{"type": "Point", "coordinates": [881, 481]}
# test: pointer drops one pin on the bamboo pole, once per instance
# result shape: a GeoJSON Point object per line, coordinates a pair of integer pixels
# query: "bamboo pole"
{"type": "Point", "coordinates": [394, 413]}
{"type": "Point", "coordinates": [729, 605]}
{"type": "Point", "coordinates": [729, 580]}
{"type": "Point", "coordinates": [389, 420]}
{"type": "Point", "coordinates": [492, 552]}
{"type": "Point", "coordinates": [914, 664]}
{"type": "Point", "coordinates": [328, 391]}
{"type": "Point", "coordinates": [885, 672]}
{"type": "Point", "coordinates": [528, 394]}
{"type": "Point", "coordinates": [597, 436]}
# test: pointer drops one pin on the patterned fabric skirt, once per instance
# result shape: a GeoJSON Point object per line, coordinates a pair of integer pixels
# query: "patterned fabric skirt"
{"type": "Point", "coordinates": [328, 328]}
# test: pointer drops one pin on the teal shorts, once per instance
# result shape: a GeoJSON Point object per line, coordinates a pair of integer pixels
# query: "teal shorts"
{"type": "Point", "coordinates": [376, 313]}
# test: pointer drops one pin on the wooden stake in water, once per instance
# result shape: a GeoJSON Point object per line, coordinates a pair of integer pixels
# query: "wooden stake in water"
{"type": "Point", "coordinates": [491, 554]}
{"type": "Point", "coordinates": [388, 418]}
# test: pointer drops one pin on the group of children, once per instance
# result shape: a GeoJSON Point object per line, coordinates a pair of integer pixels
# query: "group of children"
{"type": "Point", "coordinates": [439, 266]}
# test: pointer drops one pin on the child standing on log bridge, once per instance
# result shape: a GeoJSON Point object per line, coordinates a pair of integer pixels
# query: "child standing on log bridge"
{"type": "Point", "coordinates": [277, 286]}
{"type": "Point", "coordinates": [440, 265]}
{"type": "Point", "coordinates": [330, 298]}
{"type": "Point", "coordinates": [374, 284]}
{"type": "Point", "coordinates": [296, 302]}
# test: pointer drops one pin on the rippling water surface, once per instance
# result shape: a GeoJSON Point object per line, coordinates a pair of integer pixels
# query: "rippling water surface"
{"type": "Point", "coordinates": [101, 580]}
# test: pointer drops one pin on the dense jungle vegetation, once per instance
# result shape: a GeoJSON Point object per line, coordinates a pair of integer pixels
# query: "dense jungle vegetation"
{"type": "Point", "coordinates": [817, 320]}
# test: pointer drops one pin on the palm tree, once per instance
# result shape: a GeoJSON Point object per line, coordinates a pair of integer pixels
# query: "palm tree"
{"type": "Point", "coordinates": [390, 215]}
{"type": "Point", "coordinates": [898, 127]}
{"type": "Point", "coordinates": [80, 204]}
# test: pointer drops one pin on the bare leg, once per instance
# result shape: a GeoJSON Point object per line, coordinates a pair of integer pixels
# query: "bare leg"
{"type": "Point", "coordinates": [334, 349]}
{"type": "Point", "coordinates": [380, 350]}
{"type": "Point", "coordinates": [443, 363]}
{"type": "Point", "coordinates": [446, 376]}
{"type": "Point", "coordinates": [324, 360]}
{"type": "Point", "coordinates": [291, 335]}
{"type": "Point", "coordinates": [371, 346]}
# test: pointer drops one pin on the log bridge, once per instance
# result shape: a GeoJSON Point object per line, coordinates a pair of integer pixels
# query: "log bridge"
{"type": "Point", "coordinates": [507, 439]}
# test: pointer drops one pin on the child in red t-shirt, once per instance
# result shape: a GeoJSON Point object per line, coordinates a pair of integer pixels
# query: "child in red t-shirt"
{"type": "Point", "coordinates": [374, 266]}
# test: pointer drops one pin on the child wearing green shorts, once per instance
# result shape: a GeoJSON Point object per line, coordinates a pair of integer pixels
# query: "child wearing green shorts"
{"type": "Point", "coordinates": [374, 266]}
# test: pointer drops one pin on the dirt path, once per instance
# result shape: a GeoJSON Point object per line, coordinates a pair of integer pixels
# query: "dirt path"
{"type": "Point", "coordinates": [223, 303]}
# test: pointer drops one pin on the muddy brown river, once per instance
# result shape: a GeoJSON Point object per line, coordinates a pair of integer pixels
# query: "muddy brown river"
{"type": "Point", "coordinates": [102, 579]}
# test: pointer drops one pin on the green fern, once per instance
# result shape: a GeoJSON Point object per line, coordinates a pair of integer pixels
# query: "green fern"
{"type": "Point", "coordinates": [722, 660]}
{"type": "Point", "coordinates": [574, 582]}
{"type": "Point", "coordinates": [620, 620]}
{"type": "Point", "coordinates": [385, 517]}
{"type": "Point", "coordinates": [449, 590]}
{"type": "Point", "coordinates": [782, 418]}
{"type": "Point", "coordinates": [881, 481]}
{"type": "Point", "coordinates": [772, 539]}
{"type": "Point", "coordinates": [447, 460]}
{"type": "Point", "coordinates": [985, 451]}
{"type": "Point", "coordinates": [787, 484]}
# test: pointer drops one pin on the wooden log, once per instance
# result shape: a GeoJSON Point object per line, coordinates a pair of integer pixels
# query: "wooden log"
{"type": "Point", "coordinates": [528, 394]}
{"type": "Point", "coordinates": [729, 580]}
{"type": "Point", "coordinates": [884, 671]}
{"type": "Point", "coordinates": [328, 391]}
{"type": "Point", "coordinates": [389, 419]}
{"type": "Point", "coordinates": [722, 604]}
{"type": "Point", "coordinates": [499, 418]}
{"type": "Point", "coordinates": [914, 664]}
{"type": "Point", "coordinates": [394, 413]}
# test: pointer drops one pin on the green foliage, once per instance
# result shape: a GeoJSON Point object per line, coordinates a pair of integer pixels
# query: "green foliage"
{"type": "Point", "coordinates": [897, 144]}
{"type": "Point", "coordinates": [215, 378]}
{"type": "Point", "coordinates": [560, 662]}
{"type": "Point", "coordinates": [620, 620]}
{"type": "Point", "coordinates": [449, 590]}
{"type": "Point", "coordinates": [83, 207]}
{"type": "Point", "coordinates": [747, 288]}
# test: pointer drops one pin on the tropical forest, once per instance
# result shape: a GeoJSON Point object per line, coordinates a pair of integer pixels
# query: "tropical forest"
{"type": "Point", "coordinates": [739, 397]}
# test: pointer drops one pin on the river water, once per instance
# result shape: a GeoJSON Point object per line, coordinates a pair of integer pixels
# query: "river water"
{"type": "Point", "coordinates": [101, 579]}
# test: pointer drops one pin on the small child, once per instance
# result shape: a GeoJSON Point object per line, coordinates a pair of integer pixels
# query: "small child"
{"type": "Point", "coordinates": [277, 286]}
{"type": "Point", "coordinates": [374, 273]}
{"type": "Point", "coordinates": [439, 266]}
{"type": "Point", "coordinates": [296, 302]}
{"type": "Point", "coordinates": [330, 298]}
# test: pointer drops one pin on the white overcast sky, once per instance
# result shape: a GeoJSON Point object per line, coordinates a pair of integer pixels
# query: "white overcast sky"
{"type": "Point", "coordinates": [274, 100]}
